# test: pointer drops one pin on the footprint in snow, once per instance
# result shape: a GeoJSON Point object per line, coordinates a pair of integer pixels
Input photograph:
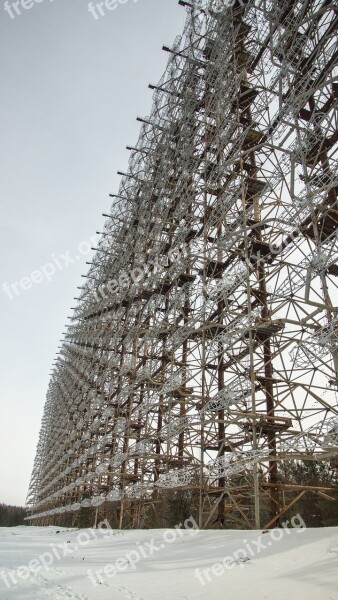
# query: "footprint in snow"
{"type": "Point", "coordinates": [55, 591]}
{"type": "Point", "coordinates": [59, 572]}
{"type": "Point", "coordinates": [130, 595]}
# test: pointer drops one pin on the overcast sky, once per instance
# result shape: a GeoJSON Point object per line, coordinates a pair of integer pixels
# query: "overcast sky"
{"type": "Point", "coordinates": [72, 87]}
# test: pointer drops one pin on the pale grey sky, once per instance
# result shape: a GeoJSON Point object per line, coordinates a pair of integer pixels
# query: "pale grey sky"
{"type": "Point", "coordinates": [72, 87]}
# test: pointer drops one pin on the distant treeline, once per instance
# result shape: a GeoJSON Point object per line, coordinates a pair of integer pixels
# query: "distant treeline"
{"type": "Point", "coordinates": [11, 516]}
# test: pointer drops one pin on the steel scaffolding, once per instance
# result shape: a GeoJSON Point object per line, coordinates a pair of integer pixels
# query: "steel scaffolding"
{"type": "Point", "coordinates": [203, 349]}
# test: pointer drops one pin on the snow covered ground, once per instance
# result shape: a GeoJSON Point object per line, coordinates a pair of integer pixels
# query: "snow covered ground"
{"type": "Point", "coordinates": [293, 564]}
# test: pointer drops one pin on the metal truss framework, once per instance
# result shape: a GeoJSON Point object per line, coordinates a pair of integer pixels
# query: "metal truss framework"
{"type": "Point", "coordinates": [203, 348]}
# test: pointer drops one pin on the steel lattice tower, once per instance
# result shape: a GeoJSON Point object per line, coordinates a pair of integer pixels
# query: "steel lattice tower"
{"type": "Point", "coordinates": [203, 351]}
